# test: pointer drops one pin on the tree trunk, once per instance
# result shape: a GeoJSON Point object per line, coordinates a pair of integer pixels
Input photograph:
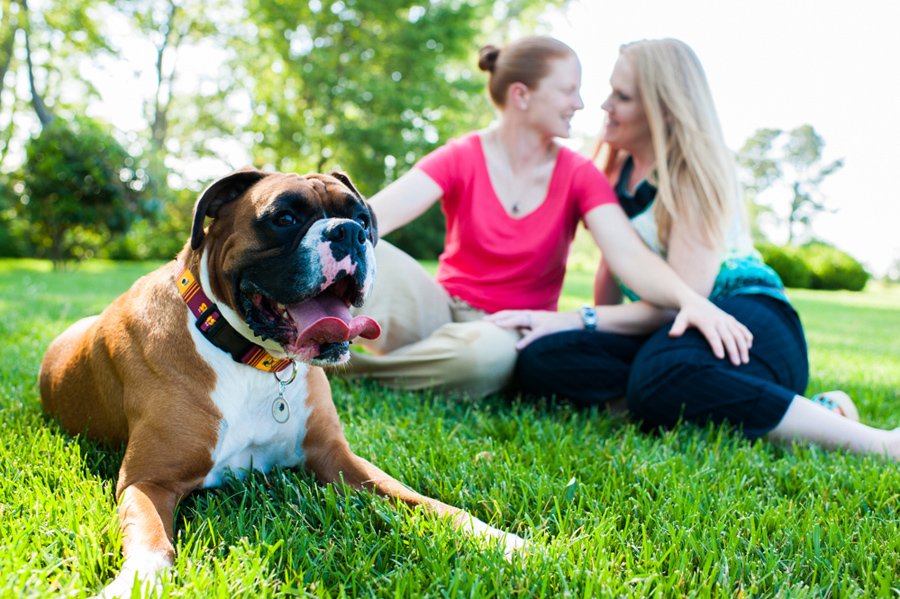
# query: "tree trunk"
{"type": "Point", "coordinates": [796, 203]}
{"type": "Point", "coordinates": [159, 128]}
{"type": "Point", "coordinates": [56, 248]}
{"type": "Point", "coordinates": [40, 109]}
{"type": "Point", "coordinates": [6, 54]}
{"type": "Point", "coordinates": [6, 44]}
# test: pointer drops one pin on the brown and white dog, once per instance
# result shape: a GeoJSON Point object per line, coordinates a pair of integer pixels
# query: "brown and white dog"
{"type": "Point", "coordinates": [203, 366]}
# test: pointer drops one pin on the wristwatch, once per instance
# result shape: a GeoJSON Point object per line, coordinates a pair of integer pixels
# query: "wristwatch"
{"type": "Point", "coordinates": [588, 317]}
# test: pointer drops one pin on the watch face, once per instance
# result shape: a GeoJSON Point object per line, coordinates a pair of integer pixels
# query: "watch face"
{"type": "Point", "coordinates": [588, 317]}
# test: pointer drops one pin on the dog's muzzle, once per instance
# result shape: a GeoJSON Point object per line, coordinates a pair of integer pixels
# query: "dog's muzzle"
{"type": "Point", "coordinates": [319, 327]}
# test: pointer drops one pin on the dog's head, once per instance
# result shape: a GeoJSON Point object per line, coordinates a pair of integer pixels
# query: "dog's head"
{"type": "Point", "coordinates": [289, 255]}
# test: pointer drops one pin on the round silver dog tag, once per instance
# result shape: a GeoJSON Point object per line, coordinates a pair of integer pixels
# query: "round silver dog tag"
{"type": "Point", "coordinates": [281, 410]}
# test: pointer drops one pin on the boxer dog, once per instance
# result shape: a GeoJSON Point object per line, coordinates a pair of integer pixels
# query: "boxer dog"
{"type": "Point", "coordinates": [209, 364]}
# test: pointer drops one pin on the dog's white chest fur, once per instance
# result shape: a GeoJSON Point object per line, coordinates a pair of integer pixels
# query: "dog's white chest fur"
{"type": "Point", "coordinates": [249, 434]}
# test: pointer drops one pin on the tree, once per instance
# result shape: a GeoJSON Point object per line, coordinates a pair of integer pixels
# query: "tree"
{"type": "Point", "coordinates": [78, 189]}
{"type": "Point", "coordinates": [56, 35]}
{"type": "Point", "coordinates": [8, 27]}
{"type": "Point", "coordinates": [53, 37]}
{"type": "Point", "coordinates": [893, 271]}
{"type": "Point", "coordinates": [363, 86]}
{"type": "Point", "coordinates": [803, 152]}
{"type": "Point", "coordinates": [759, 171]}
{"type": "Point", "coordinates": [792, 161]}
{"type": "Point", "coordinates": [186, 116]}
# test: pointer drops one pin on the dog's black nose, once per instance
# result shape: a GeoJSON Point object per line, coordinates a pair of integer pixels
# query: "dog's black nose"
{"type": "Point", "coordinates": [346, 233]}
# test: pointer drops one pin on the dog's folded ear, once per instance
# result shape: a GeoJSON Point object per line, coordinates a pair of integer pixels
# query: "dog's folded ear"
{"type": "Point", "coordinates": [228, 188]}
{"type": "Point", "coordinates": [345, 179]}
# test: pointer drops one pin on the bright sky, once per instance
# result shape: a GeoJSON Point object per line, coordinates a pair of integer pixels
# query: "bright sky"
{"type": "Point", "coordinates": [779, 64]}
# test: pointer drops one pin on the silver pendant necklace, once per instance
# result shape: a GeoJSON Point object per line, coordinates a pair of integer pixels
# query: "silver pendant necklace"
{"type": "Point", "coordinates": [281, 409]}
{"type": "Point", "coordinates": [510, 178]}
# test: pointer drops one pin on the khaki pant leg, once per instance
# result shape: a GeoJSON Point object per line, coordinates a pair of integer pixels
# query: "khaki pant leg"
{"type": "Point", "coordinates": [474, 358]}
{"type": "Point", "coordinates": [405, 300]}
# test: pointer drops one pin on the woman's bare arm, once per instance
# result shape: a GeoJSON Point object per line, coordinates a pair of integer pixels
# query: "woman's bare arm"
{"type": "Point", "coordinates": [404, 200]}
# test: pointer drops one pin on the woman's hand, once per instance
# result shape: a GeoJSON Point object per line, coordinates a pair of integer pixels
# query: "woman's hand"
{"type": "Point", "coordinates": [722, 330]}
{"type": "Point", "coordinates": [537, 323]}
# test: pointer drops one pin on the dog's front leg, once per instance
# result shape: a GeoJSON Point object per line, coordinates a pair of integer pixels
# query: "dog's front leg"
{"type": "Point", "coordinates": [361, 474]}
{"type": "Point", "coordinates": [146, 516]}
{"type": "Point", "coordinates": [328, 456]}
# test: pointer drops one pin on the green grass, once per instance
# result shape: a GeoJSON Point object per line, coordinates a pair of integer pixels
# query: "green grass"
{"type": "Point", "coordinates": [610, 511]}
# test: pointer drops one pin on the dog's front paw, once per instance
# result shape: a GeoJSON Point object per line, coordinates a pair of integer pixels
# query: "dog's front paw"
{"type": "Point", "coordinates": [146, 569]}
{"type": "Point", "coordinates": [510, 542]}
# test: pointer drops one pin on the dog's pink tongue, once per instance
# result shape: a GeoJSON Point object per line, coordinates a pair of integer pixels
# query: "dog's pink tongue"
{"type": "Point", "coordinates": [326, 319]}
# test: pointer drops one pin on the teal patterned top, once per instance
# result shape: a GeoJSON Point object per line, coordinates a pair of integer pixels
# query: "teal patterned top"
{"type": "Point", "coordinates": [742, 271]}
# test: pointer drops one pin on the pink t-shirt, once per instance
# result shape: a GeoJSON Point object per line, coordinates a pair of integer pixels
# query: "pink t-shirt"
{"type": "Point", "coordinates": [496, 262]}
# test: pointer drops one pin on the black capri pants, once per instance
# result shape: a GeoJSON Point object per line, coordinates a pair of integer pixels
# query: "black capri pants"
{"type": "Point", "coordinates": [666, 379]}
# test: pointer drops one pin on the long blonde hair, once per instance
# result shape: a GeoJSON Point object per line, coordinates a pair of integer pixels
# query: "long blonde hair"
{"type": "Point", "coordinates": [694, 171]}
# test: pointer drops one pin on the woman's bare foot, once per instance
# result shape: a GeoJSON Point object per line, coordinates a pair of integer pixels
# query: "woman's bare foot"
{"type": "Point", "coordinates": [893, 450]}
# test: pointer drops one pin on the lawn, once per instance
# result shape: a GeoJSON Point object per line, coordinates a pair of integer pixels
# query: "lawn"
{"type": "Point", "coordinates": [609, 510]}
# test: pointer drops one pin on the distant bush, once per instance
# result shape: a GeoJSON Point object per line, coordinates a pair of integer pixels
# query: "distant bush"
{"type": "Point", "coordinates": [814, 266]}
{"type": "Point", "coordinates": [787, 261]}
{"type": "Point", "coordinates": [79, 188]}
{"type": "Point", "coordinates": [160, 237]}
{"type": "Point", "coordinates": [11, 244]}
{"type": "Point", "coordinates": [833, 269]}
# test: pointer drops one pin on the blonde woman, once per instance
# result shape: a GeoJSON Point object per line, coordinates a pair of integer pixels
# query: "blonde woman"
{"type": "Point", "coordinates": [513, 197]}
{"type": "Point", "coordinates": [663, 149]}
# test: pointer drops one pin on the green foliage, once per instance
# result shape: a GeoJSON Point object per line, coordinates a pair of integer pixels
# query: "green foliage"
{"type": "Point", "coordinates": [190, 124]}
{"type": "Point", "coordinates": [755, 157]}
{"type": "Point", "coordinates": [10, 235]}
{"type": "Point", "coordinates": [814, 266]}
{"type": "Point", "coordinates": [79, 189]}
{"type": "Point", "coordinates": [160, 237]}
{"type": "Point", "coordinates": [8, 28]}
{"type": "Point", "coordinates": [161, 231]}
{"type": "Point", "coordinates": [61, 34]}
{"type": "Point", "coordinates": [793, 161]}
{"type": "Point", "coordinates": [366, 87]}
{"type": "Point", "coordinates": [609, 511]}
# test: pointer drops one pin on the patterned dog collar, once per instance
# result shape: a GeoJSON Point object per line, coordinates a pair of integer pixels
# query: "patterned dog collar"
{"type": "Point", "coordinates": [221, 334]}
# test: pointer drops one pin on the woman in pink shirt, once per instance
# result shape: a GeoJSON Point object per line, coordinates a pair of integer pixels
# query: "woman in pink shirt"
{"type": "Point", "coordinates": [512, 197]}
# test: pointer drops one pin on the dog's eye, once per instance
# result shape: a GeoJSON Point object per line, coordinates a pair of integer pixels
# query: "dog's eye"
{"type": "Point", "coordinates": [285, 219]}
{"type": "Point", "coordinates": [362, 221]}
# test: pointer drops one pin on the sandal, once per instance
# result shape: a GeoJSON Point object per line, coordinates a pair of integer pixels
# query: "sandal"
{"type": "Point", "coordinates": [837, 400]}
